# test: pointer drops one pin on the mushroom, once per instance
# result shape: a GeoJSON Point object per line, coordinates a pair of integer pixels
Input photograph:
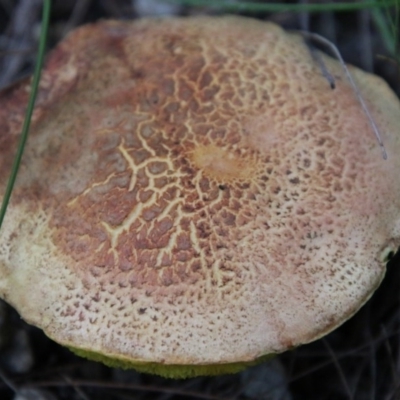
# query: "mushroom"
{"type": "Point", "coordinates": [194, 196]}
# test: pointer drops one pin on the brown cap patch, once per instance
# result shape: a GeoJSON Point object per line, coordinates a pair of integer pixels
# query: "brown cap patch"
{"type": "Point", "coordinates": [194, 192]}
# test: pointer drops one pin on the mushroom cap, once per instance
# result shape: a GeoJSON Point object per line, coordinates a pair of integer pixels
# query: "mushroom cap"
{"type": "Point", "coordinates": [194, 193]}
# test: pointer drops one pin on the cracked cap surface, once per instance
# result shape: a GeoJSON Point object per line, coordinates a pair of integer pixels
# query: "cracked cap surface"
{"type": "Point", "coordinates": [193, 192]}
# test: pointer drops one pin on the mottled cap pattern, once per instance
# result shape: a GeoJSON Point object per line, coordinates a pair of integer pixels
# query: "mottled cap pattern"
{"type": "Point", "coordinates": [194, 192]}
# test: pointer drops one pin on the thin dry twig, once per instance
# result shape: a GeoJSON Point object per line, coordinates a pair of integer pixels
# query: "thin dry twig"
{"type": "Point", "coordinates": [334, 49]}
{"type": "Point", "coordinates": [126, 386]}
{"type": "Point", "coordinates": [77, 389]}
{"type": "Point", "coordinates": [9, 383]}
{"type": "Point", "coordinates": [80, 9]}
{"type": "Point", "coordinates": [338, 368]}
{"type": "Point", "coordinates": [319, 60]}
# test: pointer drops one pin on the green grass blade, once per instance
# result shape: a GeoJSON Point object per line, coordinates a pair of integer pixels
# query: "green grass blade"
{"type": "Point", "coordinates": [384, 29]}
{"type": "Point", "coordinates": [28, 114]}
{"type": "Point", "coordinates": [280, 7]}
{"type": "Point", "coordinates": [388, 26]}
